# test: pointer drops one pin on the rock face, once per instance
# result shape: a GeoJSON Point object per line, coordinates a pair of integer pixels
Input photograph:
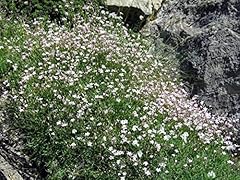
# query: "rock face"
{"type": "Point", "coordinates": [147, 6]}
{"type": "Point", "coordinates": [7, 172]}
{"type": "Point", "coordinates": [134, 12]}
{"type": "Point", "coordinates": [207, 36]}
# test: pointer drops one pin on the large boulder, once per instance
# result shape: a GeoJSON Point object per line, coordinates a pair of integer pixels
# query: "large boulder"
{"type": "Point", "coordinates": [206, 34]}
{"type": "Point", "coordinates": [147, 6]}
{"type": "Point", "coordinates": [135, 12]}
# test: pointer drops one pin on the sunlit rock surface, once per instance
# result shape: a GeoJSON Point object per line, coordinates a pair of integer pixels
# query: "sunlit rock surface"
{"type": "Point", "coordinates": [147, 6]}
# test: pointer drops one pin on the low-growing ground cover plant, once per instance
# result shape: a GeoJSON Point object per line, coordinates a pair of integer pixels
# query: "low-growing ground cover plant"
{"type": "Point", "coordinates": [93, 103]}
{"type": "Point", "coordinates": [55, 10]}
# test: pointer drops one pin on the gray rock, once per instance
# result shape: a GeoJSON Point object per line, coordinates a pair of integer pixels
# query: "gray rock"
{"type": "Point", "coordinates": [135, 13]}
{"type": "Point", "coordinates": [206, 34]}
{"type": "Point", "coordinates": [8, 172]}
{"type": "Point", "coordinates": [147, 6]}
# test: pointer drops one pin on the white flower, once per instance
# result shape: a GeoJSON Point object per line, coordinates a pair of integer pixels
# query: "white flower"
{"type": "Point", "coordinates": [74, 131]}
{"type": "Point", "coordinates": [118, 100]}
{"type": "Point", "coordinates": [211, 174]}
{"type": "Point", "coordinates": [111, 157]}
{"type": "Point", "coordinates": [73, 145]}
{"type": "Point", "coordinates": [99, 124]}
{"type": "Point", "coordinates": [190, 160]}
{"type": "Point", "coordinates": [64, 124]}
{"type": "Point", "coordinates": [89, 143]}
{"type": "Point", "coordinates": [141, 17]}
{"type": "Point", "coordinates": [158, 169]}
{"type": "Point", "coordinates": [135, 114]}
{"type": "Point", "coordinates": [135, 164]}
{"type": "Point", "coordinates": [163, 165]}
{"type": "Point", "coordinates": [151, 142]}
{"type": "Point", "coordinates": [99, 97]}
{"type": "Point", "coordinates": [134, 128]}
{"type": "Point", "coordinates": [148, 173]}
{"type": "Point", "coordinates": [166, 137]}
{"type": "Point", "coordinates": [53, 133]}
{"type": "Point", "coordinates": [145, 125]}
{"type": "Point", "coordinates": [118, 153]}
{"type": "Point", "coordinates": [118, 161]}
{"type": "Point", "coordinates": [139, 153]}
{"type": "Point", "coordinates": [78, 138]}
{"type": "Point", "coordinates": [184, 136]}
{"type": "Point", "coordinates": [135, 143]}
{"type": "Point", "coordinates": [230, 162]}
{"type": "Point", "coordinates": [124, 122]}
{"type": "Point", "coordinates": [145, 163]}
{"type": "Point", "coordinates": [124, 173]}
{"type": "Point", "coordinates": [87, 134]}
{"type": "Point", "coordinates": [129, 153]}
{"type": "Point", "coordinates": [158, 147]}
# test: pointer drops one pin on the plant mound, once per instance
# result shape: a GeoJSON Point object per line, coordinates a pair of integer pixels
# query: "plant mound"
{"type": "Point", "coordinates": [93, 103]}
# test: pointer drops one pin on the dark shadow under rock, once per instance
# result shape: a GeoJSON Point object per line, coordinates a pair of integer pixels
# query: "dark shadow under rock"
{"type": "Point", "coordinates": [131, 16]}
{"type": "Point", "coordinates": [2, 176]}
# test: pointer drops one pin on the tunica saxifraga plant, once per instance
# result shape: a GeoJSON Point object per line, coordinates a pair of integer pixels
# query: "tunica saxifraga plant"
{"type": "Point", "coordinates": [94, 103]}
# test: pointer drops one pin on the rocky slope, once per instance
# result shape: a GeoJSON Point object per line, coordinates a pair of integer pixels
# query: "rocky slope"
{"type": "Point", "coordinates": [207, 36]}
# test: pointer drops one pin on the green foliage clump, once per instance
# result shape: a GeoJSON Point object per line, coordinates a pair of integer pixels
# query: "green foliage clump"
{"type": "Point", "coordinates": [53, 9]}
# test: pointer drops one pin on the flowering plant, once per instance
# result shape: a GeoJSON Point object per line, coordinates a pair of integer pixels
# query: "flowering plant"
{"type": "Point", "coordinates": [93, 103]}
